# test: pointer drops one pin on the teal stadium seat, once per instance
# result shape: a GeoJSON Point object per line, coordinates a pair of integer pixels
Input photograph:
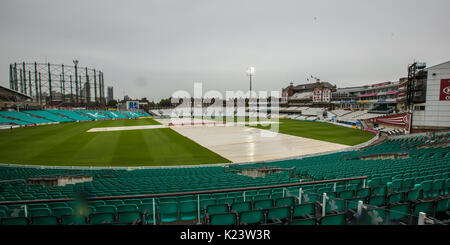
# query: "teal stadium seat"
{"type": "Point", "coordinates": [223, 219]}
{"type": "Point", "coordinates": [251, 217]}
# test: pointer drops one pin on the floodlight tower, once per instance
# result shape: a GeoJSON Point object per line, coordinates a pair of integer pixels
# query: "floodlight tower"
{"type": "Point", "coordinates": [75, 62]}
{"type": "Point", "coordinates": [250, 73]}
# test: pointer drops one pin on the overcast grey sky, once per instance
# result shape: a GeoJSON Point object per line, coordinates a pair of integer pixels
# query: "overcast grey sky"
{"type": "Point", "coordinates": [153, 48]}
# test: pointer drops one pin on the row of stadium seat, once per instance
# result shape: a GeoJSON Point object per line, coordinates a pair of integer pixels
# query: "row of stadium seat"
{"type": "Point", "coordinates": [53, 115]}
{"type": "Point", "coordinates": [261, 211]}
{"type": "Point", "coordinates": [424, 175]}
{"type": "Point", "coordinates": [24, 117]}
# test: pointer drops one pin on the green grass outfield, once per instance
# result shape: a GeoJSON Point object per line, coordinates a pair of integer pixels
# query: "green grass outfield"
{"type": "Point", "coordinates": [323, 131]}
{"type": "Point", "coordinates": [69, 144]}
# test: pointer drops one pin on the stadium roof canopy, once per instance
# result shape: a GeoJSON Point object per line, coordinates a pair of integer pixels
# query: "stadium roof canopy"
{"type": "Point", "coordinates": [7, 94]}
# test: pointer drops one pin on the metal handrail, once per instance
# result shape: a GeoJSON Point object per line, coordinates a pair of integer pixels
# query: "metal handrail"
{"type": "Point", "coordinates": [186, 193]}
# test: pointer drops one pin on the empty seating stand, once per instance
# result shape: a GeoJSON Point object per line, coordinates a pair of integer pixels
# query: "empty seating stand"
{"type": "Point", "coordinates": [396, 191]}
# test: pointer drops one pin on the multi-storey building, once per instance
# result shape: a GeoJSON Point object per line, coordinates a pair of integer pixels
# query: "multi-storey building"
{"type": "Point", "coordinates": [377, 98]}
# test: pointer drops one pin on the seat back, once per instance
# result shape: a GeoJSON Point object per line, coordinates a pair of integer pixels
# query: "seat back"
{"type": "Point", "coordinates": [311, 221]}
{"type": "Point", "coordinates": [425, 207]}
{"type": "Point", "coordinates": [285, 202]}
{"type": "Point", "coordinates": [347, 194]}
{"type": "Point", "coordinates": [128, 217]}
{"type": "Point", "coordinates": [281, 213]}
{"type": "Point", "coordinates": [217, 209]}
{"type": "Point", "coordinates": [263, 204]}
{"type": "Point", "coordinates": [335, 205]}
{"type": "Point", "coordinates": [399, 211]}
{"type": "Point", "coordinates": [251, 217]}
{"type": "Point", "coordinates": [126, 208]}
{"type": "Point", "coordinates": [241, 206]}
{"type": "Point", "coordinates": [304, 210]}
{"type": "Point", "coordinates": [45, 220]}
{"type": "Point", "coordinates": [223, 219]}
{"type": "Point", "coordinates": [58, 212]}
{"type": "Point", "coordinates": [73, 220]}
{"type": "Point", "coordinates": [336, 219]}
{"type": "Point", "coordinates": [105, 209]}
{"type": "Point", "coordinates": [101, 218]}
{"type": "Point", "coordinates": [15, 221]}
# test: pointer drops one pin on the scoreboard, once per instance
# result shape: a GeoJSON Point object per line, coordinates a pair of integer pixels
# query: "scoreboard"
{"type": "Point", "coordinates": [132, 105]}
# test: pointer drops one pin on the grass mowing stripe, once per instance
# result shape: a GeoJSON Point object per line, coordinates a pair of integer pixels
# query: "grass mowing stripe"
{"type": "Point", "coordinates": [100, 148]}
{"type": "Point", "coordinates": [130, 149]}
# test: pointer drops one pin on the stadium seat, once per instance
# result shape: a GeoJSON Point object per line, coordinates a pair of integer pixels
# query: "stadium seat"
{"type": "Point", "coordinates": [241, 207]}
{"type": "Point", "coordinates": [105, 209]}
{"type": "Point", "coordinates": [96, 203]}
{"type": "Point", "coordinates": [129, 217]}
{"type": "Point", "coordinates": [379, 190]}
{"type": "Point", "coordinates": [188, 210]}
{"type": "Point", "coordinates": [363, 193]}
{"type": "Point", "coordinates": [58, 212]}
{"type": "Point", "coordinates": [168, 212]}
{"type": "Point", "coordinates": [126, 208]}
{"type": "Point", "coordinates": [205, 203]}
{"type": "Point", "coordinates": [379, 200]}
{"type": "Point", "coordinates": [223, 219]}
{"type": "Point", "coordinates": [408, 184]}
{"type": "Point", "coordinates": [307, 210]}
{"type": "Point", "coordinates": [251, 217]}
{"type": "Point", "coordinates": [260, 197]}
{"type": "Point", "coordinates": [15, 221]}
{"type": "Point", "coordinates": [374, 216]}
{"type": "Point", "coordinates": [311, 221]}
{"type": "Point", "coordinates": [226, 200]}
{"type": "Point", "coordinates": [414, 194]}
{"type": "Point", "coordinates": [427, 187]}
{"type": "Point", "coordinates": [442, 205]}
{"type": "Point", "coordinates": [334, 219]}
{"type": "Point", "coordinates": [57, 205]}
{"type": "Point", "coordinates": [395, 197]}
{"type": "Point", "coordinates": [335, 206]}
{"type": "Point", "coordinates": [37, 206]}
{"type": "Point", "coordinates": [73, 220]}
{"type": "Point", "coordinates": [263, 204]}
{"type": "Point", "coordinates": [352, 204]}
{"type": "Point", "coordinates": [136, 202]}
{"type": "Point", "coordinates": [438, 187]}
{"type": "Point", "coordinates": [347, 194]}
{"type": "Point", "coordinates": [102, 218]}
{"type": "Point", "coordinates": [395, 185]}
{"type": "Point", "coordinates": [285, 202]}
{"type": "Point", "coordinates": [310, 198]}
{"type": "Point", "coordinates": [114, 202]}
{"type": "Point", "coordinates": [147, 210]}
{"type": "Point", "coordinates": [399, 212]}
{"type": "Point", "coordinates": [217, 209]}
{"type": "Point", "coordinates": [426, 207]}
{"type": "Point", "coordinates": [278, 215]}
{"type": "Point", "coordinates": [40, 212]}
{"type": "Point", "coordinates": [44, 220]}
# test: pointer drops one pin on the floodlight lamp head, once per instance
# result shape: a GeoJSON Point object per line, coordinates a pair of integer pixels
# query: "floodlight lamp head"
{"type": "Point", "coordinates": [250, 71]}
{"type": "Point", "coordinates": [75, 62]}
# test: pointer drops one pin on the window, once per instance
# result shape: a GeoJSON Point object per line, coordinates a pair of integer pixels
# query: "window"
{"type": "Point", "coordinates": [419, 108]}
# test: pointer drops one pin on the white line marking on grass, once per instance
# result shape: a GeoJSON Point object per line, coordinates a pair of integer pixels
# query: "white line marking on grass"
{"type": "Point", "coordinates": [109, 129]}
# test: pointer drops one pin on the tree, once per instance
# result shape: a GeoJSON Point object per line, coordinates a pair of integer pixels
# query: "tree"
{"type": "Point", "coordinates": [112, 103]}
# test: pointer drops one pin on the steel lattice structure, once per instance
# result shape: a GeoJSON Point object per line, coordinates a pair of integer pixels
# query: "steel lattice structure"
{"type": "Point", "coordinates": [58, 84]}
